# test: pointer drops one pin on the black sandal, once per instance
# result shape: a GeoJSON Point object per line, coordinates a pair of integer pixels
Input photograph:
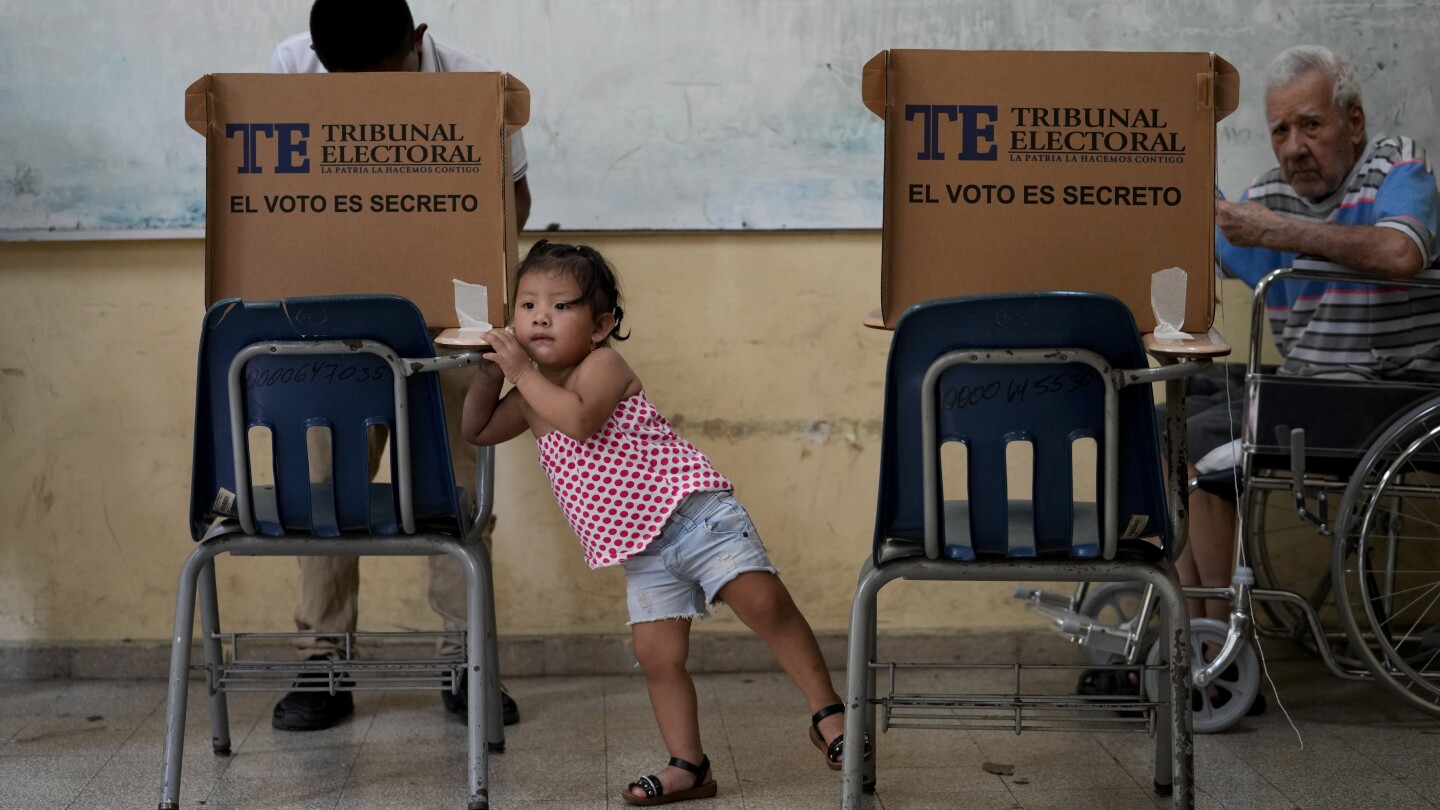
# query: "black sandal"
{"type": "Point", "coordinates": [655, 792]}
{"type": "Point", "coordinates": [836, 749]}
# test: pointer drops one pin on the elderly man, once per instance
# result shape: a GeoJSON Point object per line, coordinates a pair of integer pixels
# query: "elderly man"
{"type": "Point", "coordinates": [1369, 204]}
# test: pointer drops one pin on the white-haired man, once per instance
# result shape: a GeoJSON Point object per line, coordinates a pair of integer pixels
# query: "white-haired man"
{"type": "Point", "coordinates": [1338, 197]}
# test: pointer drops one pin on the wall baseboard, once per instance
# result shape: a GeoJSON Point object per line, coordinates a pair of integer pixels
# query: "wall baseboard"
{"type": "Point", "coordinates": [524, 656]}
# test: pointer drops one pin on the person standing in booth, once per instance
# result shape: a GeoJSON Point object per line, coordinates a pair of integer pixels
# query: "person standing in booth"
{"type": "Point", "coordinates": [350, 36]}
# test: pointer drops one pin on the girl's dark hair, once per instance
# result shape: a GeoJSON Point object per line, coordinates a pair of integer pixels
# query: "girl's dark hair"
{"type": "Point", "coordinates": [598, 285]}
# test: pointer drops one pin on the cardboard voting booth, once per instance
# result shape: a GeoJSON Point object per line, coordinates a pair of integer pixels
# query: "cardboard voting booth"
{"type": "Point", "coordinates": [1012, 170]}
{"type": "Point", "coordinates": [359, 183]}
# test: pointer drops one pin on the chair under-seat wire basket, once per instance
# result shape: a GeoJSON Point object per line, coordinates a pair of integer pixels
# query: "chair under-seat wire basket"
{"type": "Point", "coordinates": [1020, 705]}
{"type": "Point", "coordinates": [393, 663]}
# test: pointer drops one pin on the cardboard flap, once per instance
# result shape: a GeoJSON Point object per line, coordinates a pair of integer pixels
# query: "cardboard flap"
{"type": "Point", "coordinates": [873, 82]}
{"type": "Point", "coordinates": [517, 103]}
{"type": "Point", "coordinates": [197, 112]}
{"type": "Point", "coordinates": [1227, 87]}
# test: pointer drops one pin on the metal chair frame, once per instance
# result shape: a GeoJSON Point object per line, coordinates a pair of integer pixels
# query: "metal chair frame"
{"type": "Point", "coordinates": [938, 559]}
{"type": "Point", "coordinates": [242, 535]}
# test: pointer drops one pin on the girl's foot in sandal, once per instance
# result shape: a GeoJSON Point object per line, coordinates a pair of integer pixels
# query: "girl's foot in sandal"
{"type": "Point", "coordinates": [652, 791]}
{"type": "Point", "coordinates": [835, 749]}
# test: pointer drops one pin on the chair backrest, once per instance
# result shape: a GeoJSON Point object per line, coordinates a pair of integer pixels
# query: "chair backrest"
{"type": "Point", "coordinates": [348, 393]}
{"type": "Point", "coordinates": [1050, 405]}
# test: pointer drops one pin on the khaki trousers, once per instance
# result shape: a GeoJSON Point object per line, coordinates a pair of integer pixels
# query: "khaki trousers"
{"type": "Point", "coordinates": [329, 586]}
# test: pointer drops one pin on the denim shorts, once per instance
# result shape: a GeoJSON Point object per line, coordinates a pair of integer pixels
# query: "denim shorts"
{"type": "Point", "coordinates": [708, 541]}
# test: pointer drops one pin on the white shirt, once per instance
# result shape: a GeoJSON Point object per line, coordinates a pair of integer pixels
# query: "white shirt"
{"type": "Point", "coordinates": [295, 55]}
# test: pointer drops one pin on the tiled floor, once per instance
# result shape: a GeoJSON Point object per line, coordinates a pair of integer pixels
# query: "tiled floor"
{"type": "Point", "coordinates": [97, 745]}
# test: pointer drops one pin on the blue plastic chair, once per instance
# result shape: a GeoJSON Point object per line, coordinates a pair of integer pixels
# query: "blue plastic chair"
{"type": "Point", "coordinates": [349, 365]}
{"type": "Point", "coordinates": [1049, 369]}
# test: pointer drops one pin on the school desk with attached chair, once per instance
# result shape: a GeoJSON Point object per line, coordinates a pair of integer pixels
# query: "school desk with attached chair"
{"type": "Point", "coordinates": [1018, 346]}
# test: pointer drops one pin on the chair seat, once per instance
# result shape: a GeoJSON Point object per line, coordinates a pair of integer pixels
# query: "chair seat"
{"type": "Point", "coordinates": [957, 520]}
{"type": "Point", "coordinates": [1019, 542]}
{"type": "Point", "coordinates": [383, 519]}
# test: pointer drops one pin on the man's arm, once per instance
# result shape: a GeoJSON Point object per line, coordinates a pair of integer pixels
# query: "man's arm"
{"type": "Point", "coordinates": [1367, 248]}
{"type": "Point", "coordinates": [522, 202]}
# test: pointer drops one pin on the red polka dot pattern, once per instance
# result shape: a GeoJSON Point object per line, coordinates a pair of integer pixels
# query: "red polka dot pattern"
{"type": "Point", "coordinates": [618, 487]}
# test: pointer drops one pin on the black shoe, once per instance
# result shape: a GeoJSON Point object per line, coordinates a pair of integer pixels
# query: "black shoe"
{"type": "Point", "coordinates": [458, 703]}
{"type": "Point", "coordinates": [311, 711]}
{"type": "Point", "coordinates": [1111, 682]}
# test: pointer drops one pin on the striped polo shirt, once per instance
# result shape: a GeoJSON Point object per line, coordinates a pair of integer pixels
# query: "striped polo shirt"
{"type": "Point", "coordinates": [1353, 330]}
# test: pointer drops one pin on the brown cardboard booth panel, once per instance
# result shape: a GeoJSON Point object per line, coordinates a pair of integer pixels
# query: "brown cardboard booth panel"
{"type": "Point", "coordinates": [359, 183]}
{"type": "Point", "coordinates": [1018, 170]}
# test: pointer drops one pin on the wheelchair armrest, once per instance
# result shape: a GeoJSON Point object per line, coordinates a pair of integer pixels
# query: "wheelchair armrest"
{"type": "Point", "coordinates": [1312, 268]}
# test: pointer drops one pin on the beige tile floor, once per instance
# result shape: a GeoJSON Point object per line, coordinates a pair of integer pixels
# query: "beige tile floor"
{"type": "Point", "coordinates": [97, 745]}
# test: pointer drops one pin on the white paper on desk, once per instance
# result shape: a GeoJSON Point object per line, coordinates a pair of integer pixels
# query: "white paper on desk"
{"type": "Point", "coordinates": [1167, 301]}
{"type": "Point", "coordinates": [472, 307]}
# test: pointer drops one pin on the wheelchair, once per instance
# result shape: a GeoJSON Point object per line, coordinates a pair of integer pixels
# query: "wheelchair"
{"type": "Point", "coordinates": [1374, 612]}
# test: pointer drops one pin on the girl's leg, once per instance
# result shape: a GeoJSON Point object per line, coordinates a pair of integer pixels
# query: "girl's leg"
{"type": "Point", "coordinates": [763, 603]}
{"type": "Point", "coordinates": [661, 648]}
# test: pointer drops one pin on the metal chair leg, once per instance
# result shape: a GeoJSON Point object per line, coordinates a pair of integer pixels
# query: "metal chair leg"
{"type": "Point", "coordinates": [859, 687]}
{"type": "Point", "coordinates": [214, 657]}
{"type": "Point", "coordinates": [1164, 775]}
{"type": "Point", "coordinates": [495, 714]}
{"type": "Point", "coordinates": [479, 679]}
{"type": "Point", "coordinates": [870, 710]}
{"type": "Point", "coordinates": [1179, 727]}
{"type": "Point", "coordinates": [180, 674]}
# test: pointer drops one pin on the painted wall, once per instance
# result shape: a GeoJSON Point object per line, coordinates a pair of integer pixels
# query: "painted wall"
{"type": "Point", "coordinates": [751, 343]}
{"type": "Point", "coordinates": [682, 114]}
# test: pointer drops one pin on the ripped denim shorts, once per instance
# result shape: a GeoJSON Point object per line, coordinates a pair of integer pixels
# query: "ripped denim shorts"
{"type": "Point", "coordinates": [707, 542]}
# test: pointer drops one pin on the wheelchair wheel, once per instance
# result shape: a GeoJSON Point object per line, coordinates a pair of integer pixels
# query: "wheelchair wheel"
{"type": "Point", "coordinates": [1387, 558]}
{"type": "Point", "coordinates": [1221, 704]}
{"type": "Point", "coordinates": [1117, 604]}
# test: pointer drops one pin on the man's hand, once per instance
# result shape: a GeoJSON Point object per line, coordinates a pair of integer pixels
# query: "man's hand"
{"type": "Point", "coordinates": [1248, 224]}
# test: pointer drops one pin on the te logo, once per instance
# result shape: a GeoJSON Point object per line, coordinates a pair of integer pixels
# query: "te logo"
{"type": "Point", "coordinates": [977, 127]}
{"type": "Point", "coordinates": [289, 141]}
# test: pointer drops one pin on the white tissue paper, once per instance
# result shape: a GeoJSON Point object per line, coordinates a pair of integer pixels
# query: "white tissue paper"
{"type": "Point", "coordinates": [472, 307]}
{"type": "Point", "coordinates": [1167, 300]}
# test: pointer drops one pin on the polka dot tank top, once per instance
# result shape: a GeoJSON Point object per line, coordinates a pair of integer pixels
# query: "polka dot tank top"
{"type": "Point", "coordinates": [618, 487]}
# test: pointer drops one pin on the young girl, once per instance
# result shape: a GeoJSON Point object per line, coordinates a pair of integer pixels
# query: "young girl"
{"type": "Point", "coordinates": [639, 496]}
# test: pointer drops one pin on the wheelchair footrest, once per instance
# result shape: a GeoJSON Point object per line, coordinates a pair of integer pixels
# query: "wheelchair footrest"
{"type": "Point", "coordinates": [1076, 626]}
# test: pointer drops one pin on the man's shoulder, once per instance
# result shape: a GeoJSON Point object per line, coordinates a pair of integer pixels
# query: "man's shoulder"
{"type": "Point", "coordinates": [1388, 150]}
{"type": "Point", "coordinates": [454, 60]}
{"type": "Point", "coordinates": [300, 41]}
{"type": "Point", "coordinates": [294, 55]}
